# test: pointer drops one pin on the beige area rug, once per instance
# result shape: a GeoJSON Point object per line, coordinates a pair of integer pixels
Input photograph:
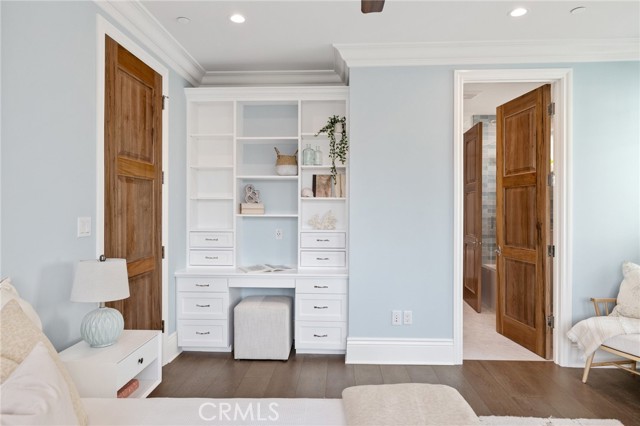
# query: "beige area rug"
{"type": "Point", "coordinates": [537, 421]}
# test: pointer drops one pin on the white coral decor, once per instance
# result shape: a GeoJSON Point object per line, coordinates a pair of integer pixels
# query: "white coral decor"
{"type": "Point", "coordinates": [328, 221]}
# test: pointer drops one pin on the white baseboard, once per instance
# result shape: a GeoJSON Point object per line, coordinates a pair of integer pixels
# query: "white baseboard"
{"type": "Point", "coordinates": [399, 351]}
{"type": "Point", "coordinates": [170, 349]}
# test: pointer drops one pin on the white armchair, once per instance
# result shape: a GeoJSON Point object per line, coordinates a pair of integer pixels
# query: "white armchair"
{"type": "Point", "coordinates": [626, 346]}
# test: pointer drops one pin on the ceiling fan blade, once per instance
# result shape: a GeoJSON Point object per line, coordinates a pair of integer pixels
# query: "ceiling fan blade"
{"type": "Point", "coordinates": [368, 6]}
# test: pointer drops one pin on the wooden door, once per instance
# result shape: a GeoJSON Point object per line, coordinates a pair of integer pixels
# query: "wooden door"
{"type": "Point", "coordinates": [523, 221]}
{"type": "Point", "coordinates": [133, 182]}
{"type": "Point", "coordinates": [472, 257]}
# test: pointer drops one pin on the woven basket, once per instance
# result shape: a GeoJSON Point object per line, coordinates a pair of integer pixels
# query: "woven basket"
{"type": "Point", "coordinates": [286, 165]}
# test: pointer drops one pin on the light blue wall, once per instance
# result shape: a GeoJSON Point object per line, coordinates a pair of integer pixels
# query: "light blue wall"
{"type": "Point", "coordinates": [402, 183]}
{"type": "Point", "coordinates": [606, 166]}
{"type": "Point", "coordinates": [401, 198]}
{"type": "Point", "coordinates": [49, 156]}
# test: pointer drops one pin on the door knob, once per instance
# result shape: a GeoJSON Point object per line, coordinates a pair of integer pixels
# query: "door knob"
{"type": "Point", "coordinates": [499, 251]}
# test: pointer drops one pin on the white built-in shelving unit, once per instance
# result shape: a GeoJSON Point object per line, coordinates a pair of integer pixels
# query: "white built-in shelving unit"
{"type": "Point", "coordinates": [231, 136]}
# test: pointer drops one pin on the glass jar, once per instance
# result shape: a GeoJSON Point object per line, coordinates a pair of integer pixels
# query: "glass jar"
{"type": "Point", "coordinates": [318, 157]}
{"type": "Point", "coordinates": [308, 156]}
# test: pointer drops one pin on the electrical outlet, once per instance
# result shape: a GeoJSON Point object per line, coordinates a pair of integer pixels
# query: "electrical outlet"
{"type": "Point", "coordinates": [407, 317]}
{"type": "Point", "coordinates": [396, 317]}
{"type": "Point", "coordinates": [278, 234]}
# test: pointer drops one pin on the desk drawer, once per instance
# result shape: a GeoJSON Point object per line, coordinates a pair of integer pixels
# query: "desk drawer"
{"type": "Point", "coordinates": [137, 361]}
{"type": "Point", "coordinates": [321, 335]}
{"type": "Point", "coordinates": [263, 281]}
{"type": "Point", "coordinates": [316, 307]}
{"type": "Point", "coordinates": [201, 284]}
{"type": "Point", "coordinates": [323, 240]}
{"type": "Point", "coordinates": [334, 259]}
{"type": "Point", "coordinates": [212, 333]}
{"type": "Point", "coordinates": [211, 257]}
{"type": "Point", "coordinates": [321, 285]}
{"type": "Point", "coordinates": [210, 239]}
{"type": "Point", "coordinates": [203, 305]}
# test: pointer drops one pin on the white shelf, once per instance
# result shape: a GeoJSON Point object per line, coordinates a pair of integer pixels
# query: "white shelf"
{"type": "Point", "coordinates": [213, 198]}
{"type": "Point", "coordinates": [210, 135]}
{"type": "Point", "coordinates": [223, 167]}
{"type": "Point", "coordinates": [266, 177]}
{"type": "Point", "coordinates": [323, 198]}
{"type": "Point", "coordinates": [267, 215]}
{"type": "Point", "coordinates": [266, 138]}
{"type": "Point", "coordinates": [323, 167]}
{"type": "Point", "coordinates": [211, 230]}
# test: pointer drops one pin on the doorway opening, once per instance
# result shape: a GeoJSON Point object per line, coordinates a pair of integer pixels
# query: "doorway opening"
{"type": "Point", "coordinates": [560, 79]}
{"type": "Point", "coordinates": [481, 340]}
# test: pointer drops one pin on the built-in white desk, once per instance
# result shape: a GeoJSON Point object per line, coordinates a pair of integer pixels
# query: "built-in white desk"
{"type": "Point", "coordinates": [206, 298]}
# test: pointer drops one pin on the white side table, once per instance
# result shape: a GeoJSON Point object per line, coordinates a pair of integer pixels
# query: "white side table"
{"type": "Point", "coordinates": [100, 372]}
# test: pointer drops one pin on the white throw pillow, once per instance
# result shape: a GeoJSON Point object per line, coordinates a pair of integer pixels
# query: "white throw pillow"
{"type": "Point", "coordinates": [628, 303]}
{"type": "Point", "coordinates": [9, 292]}
{"type": "Point", "coordinates": [36, 393]}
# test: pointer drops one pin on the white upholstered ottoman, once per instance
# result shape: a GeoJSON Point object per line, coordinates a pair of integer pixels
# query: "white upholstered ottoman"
{"type": "Point", "coordinates": [262, 327]}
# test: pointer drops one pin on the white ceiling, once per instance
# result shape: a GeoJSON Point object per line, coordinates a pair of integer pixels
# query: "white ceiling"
{"type": "Point", "coordinates": [484, 98]}
{"type": "Point", "coordinates": [299, 34]}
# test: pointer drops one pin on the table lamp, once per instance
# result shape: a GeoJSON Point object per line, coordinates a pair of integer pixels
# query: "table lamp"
{"type": "Point", "coordinates": [102, 280]}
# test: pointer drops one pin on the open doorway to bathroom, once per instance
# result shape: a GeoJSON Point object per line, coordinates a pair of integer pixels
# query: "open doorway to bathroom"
{"type": "Point", "coordinates": [481, 340]}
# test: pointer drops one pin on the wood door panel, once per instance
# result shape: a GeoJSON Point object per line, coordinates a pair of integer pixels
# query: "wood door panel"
{"type": "Point", "coordinates": [133, 182]}
{"type": "Point", "coordinates": [138, 226]}
{"type": "Point", "coordinates": [523, 220]}
{"type": "Point", "coordinates": [472, 222]}
{"type": "Point", "coordinates": [471, 151]}
{"type": "Point", "coordinates": [520, 224]}
{"type": "Point", "coordinates": [142, 304]}
{"type": "Point", "coordinates": [519, 285]}
{"type": "Point", "coordinates": [519, 142]}
{"type": "Point", "coordinates": [135, 131]}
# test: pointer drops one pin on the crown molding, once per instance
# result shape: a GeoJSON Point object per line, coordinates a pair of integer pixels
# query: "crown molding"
{"type": "Point", "coordinates": [136, 19]}
{"type": "Point", "coordinates": [272, 78]}
{"type": "Point", "coordinates": [488, 52]}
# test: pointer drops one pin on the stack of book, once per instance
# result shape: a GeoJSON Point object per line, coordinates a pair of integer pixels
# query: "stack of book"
{"type": "Point", "coordinates": [340, 186]}
{"type": "Point", "coordinates": [251, 208]}
{"type": "Point", "coordinates": [128, 389]}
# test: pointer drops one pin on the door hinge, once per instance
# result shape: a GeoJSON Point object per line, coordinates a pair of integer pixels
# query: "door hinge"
{"type": "Point", "coordinates": [551, 250]}
{"type": "Point", "coordinates": [551, 179]}
{"type": "Point", "coordinates": [551, 321]}
{"type": "Point", "coordinates": [163, 252]}
{"type": "Point", "coordinates": [164, 101]}
{"type": "Point", "coordinates": [163, 326]}
{"type": "Point", "coordinates": [163, 177]}
{"type": "Point", "coordinates": [551, 109]}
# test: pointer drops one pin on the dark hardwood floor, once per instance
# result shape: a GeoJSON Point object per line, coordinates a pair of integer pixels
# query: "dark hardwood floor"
{"type": "Point", "coordinates": [503, 388]}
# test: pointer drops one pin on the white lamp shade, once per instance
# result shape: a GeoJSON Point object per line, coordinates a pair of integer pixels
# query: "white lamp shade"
{"type": "Point", "coordinates": [97, 281]}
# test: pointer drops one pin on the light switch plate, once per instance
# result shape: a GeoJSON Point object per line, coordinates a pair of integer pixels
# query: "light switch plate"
{"type": "Point", "coordinates": [84, 227]}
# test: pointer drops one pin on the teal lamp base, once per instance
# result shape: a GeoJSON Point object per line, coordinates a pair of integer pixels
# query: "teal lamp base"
{"type": "Point", "coordinates": [102, 327]}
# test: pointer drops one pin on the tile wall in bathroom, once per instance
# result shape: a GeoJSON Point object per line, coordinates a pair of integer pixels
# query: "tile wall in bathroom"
{"type": "Point", "coordinates": [488, 186]}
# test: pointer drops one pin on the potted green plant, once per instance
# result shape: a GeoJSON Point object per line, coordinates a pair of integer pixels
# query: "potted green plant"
{"type": "Point", "coordinates": [338, 149]}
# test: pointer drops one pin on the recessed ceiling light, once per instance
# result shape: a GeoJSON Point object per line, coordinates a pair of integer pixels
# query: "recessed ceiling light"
{"type": "Point", "coordinates": [183, 20]}
{"type": "Point", "coordinates": [517, 12]}
{"type": "Point", "coordinates": [237, 18]}
{"type": "Point", "coordinates": [577, 10]}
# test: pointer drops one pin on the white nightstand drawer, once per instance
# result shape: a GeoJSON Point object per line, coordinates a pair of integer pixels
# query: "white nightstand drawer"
{"type": "Point", "coordinates": [135, 363]}
{"type": "Point", "coordinates": [211, 257]}
{"type": "Point", "coordinates": [321, 335]}
{"type": "Point", "coordinates": [316, 307]}
{"type": "Point", "coordinates": [335, 259]}
{"type": "Point", "coordinates": [193, 333]}
{"type": "Point", "coordinates": [203, 305]}
{"type": "Point", "coordinates": [323, 240]}
{"type": "Point", "coordinates": [210, 239]}
{"type": "Point", "coordinates": [201, 284]}
{"type": "Point", "coordinates": [100, 372]}
{"type": "Point", "coordinates": [321, 285]}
